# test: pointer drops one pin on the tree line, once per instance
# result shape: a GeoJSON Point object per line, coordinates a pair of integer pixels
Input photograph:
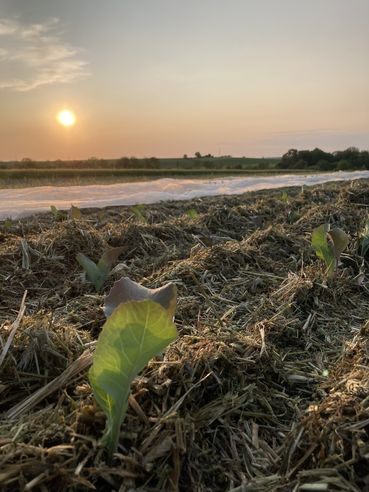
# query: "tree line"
{"type": "Point", "coordinates": [341, 160]}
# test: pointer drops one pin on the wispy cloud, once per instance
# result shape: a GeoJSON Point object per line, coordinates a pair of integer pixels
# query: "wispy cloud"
{"type": "Point", "coordinates": [35, 55]}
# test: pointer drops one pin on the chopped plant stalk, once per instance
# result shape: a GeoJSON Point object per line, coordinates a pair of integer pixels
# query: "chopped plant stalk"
{"type": "Point", "coordinates": [365, 240]}
{"type": "Point", "coordinates": [75, 213]}
{"type": "Point", "coordinates": [98, 273]}
{"type": "Point", "coordinates": [329, 245]}
{"type": "Point", "coordinates": [138, 211]}
{"type": "Point", "coordinates": [135, 333]}
{"type": "Point", "coordinates": [192, 213]}
{"type": "Point", "coordinates": [26, 257]}
{"type": "Point", "coordinates": [125, 290]}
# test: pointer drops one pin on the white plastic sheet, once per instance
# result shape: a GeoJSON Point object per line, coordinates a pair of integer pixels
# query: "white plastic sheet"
{"type": "Point", "coordinates": [21, 202]}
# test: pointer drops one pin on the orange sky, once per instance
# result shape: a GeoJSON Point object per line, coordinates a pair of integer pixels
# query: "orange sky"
{"type": "Point", "coordinates": [165, 78]}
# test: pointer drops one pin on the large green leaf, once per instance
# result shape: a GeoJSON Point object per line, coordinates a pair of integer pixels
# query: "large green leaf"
{"type": "Point", "coordinates": [131, 336]}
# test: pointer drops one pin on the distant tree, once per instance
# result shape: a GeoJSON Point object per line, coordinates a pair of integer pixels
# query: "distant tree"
{"type": "Point", "coordinates": [198, 155]}
{"type": "Point", "coordinates": [185, 156]}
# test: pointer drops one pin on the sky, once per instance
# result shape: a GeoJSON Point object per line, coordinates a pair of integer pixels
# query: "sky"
{"type": "Point", "coordinates": [171, 77]}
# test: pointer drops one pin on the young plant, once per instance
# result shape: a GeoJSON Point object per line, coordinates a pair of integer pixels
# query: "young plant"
{"type": "Point", "coordinates": [329, 245]}
{"type": "Point", "coordinates": [192, 213]}
{"type": "Point", "coordinates": [75, 213]}
{"type": "Point", "coordinates": [57, 214]}
{"type": "Point", "coordinates": [97, 273]}
{"type": "Point", "coordinates": [138, 210]}
{"type": "Point", "coordinates": [135, 332]}
{"type": "Point", "coordinates": [365, 240]}
{"type": "Point", "coordinates": [284, 197]}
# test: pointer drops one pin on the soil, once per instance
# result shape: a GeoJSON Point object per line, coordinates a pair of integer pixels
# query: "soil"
{"type": "Point", "coordinates": [266, 387]}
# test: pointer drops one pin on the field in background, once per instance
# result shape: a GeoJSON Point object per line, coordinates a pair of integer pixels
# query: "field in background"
{"type": "Point", "coordinates": [68, 173]}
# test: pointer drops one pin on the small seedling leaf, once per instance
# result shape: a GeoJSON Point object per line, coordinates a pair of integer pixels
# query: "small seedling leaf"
{"type": "Point", "coordinates": [319, 241]}
{"type": "Point", "coordinates": [329, 245]}
{"type": "Point", "coordinates": [340, 241]}
{"type": "Point", "coordinates": [192, 213]}
{"type": "Point", "coordinates": [125, 290]}
{"type": "Point", "coordinates": [98, 273]}
{"type": "Point", "coordinates": [135, 333]}
{"type": "Point", "coordinates": [284, 197]}
{"type": "Point", "coordinates": [93, 273]}
{"type": "Point", "coordinates": [138, 211]}
{"type": "Point", "coordinates": [75, 213]}
{"type": "Point", "coordinates": [108, 259]}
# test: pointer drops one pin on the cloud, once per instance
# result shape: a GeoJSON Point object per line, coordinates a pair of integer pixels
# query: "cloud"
{"type": "Point", "coordinates": [35, 55]}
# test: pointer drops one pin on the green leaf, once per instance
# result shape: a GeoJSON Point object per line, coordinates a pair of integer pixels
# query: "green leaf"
{"type": "Point", "coordinates": [319, 241]}
{"type": "Point", "coordinates": [7, 224]}
{"type": "Point", "coordinates": [98, 273]}
{"type": "Point", "coordinates": [125, 290]}
{"type": "Point", "coordinates": [138, 211]}
{"type": "Point", "coordinates": [93, 273]}
{"type": "Point", "coordinates": [75, 213]}
{"type": "Point", "coordinates": [284, 197]}
{"type": "Point", "coordinates": [192, 213]}
{"type": "Point", "coordinates": [58, 214]}
{"type": "Point", "coordinates": [131, 336]}
{"type": "Point", "coordinates": [329, 245]}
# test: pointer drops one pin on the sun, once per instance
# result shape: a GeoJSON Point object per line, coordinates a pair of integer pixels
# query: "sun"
{"type": "Point", "coordinates": [66, 117]}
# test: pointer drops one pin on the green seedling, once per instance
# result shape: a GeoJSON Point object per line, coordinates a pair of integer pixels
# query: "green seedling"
{"type": "Point", "coordinates": [135, 332]}
{"type": "Point", "coordinates": [7, 224]}
{"type": "Point", "coordinates": [138, 212]}
{"type": "Point", "coordinates": [57, 214]}
{"type": "Point", "coordinates": [125, 290]}
{"type": "Point", "coordinates": [293, 216]}
{"type": "Point", "coordinates": [192, 213]}
{"type": "Point", "coordinates": [97, 273]}
{"type": "Point", "coordinates": [365, 240]}
{"type": "Point", "coordinates": [284, 197]}
{"type": "Point", "coordinates": [75, 213]}
{"type": "Point", "coordinates": [329, 245]}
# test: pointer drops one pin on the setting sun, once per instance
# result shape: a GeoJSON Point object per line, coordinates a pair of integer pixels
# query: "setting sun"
{"type": "Point", "coordinates": [66, 117]}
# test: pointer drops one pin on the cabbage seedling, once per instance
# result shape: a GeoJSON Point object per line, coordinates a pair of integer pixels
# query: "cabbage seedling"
{"type": "Point", "coordinates": [329, 245]}
{"type": "Point", "coordinates": [192, 213]}
{"type": "Point", "coordinates": [138, 211]}
{"type": "Point", "coordinates": [75, 213]}
{"type": "Point", "coordinates": [57, 214]}
{"type": "Point", "coordinates": [134, 333]}
{"type": "Point", "coordinates": [98, 273]}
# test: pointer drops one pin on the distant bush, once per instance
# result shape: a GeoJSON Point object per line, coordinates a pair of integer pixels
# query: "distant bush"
{"type": "Point", "coordinates": [351, 158]}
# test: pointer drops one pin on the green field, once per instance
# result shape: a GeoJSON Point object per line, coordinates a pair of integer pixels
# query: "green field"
{"type": "Point", "coordinates": [16, 178]}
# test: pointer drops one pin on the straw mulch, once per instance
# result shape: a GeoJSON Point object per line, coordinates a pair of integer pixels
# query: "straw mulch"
{"type": "Point", "coordinates": [267, 385]}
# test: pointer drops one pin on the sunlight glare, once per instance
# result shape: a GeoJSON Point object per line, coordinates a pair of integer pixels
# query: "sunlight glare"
{"type": "Point", "coordinates": [66, 117]}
